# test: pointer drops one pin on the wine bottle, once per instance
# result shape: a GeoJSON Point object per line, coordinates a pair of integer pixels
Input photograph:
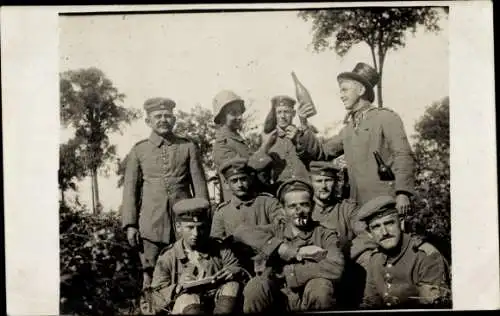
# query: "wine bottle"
{"type": "Point", "coordinates": [384, 171]}
{"type": "Point", "coordinates": [303, 96]}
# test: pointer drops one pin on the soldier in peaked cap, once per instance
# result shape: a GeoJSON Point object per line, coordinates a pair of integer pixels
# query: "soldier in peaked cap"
{"type": "Point", "coordinates": [245, 206]}
{"type": "Point", "coordinates": [404, 272]}
{"type": "Point", "coordinates": [283, 157]}
{"type": "Point", "coordinates": [367, 129]}
{"type": "Point", "coordinates": [195, 257]}
{"type": "Point", "coordinates": [159, 171]}
{"type": "Point", "coordinates": [228, 110]}
{"type": "Point", "coordinates": [305, 259]}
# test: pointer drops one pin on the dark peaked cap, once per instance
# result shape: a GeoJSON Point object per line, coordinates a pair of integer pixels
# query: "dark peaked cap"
{"type": "Point", "coordinates": [192, 210]}
{"type": "Point", "coordinates": [378, 206]}
{"type": "Point", "coordinates": [158, 104]}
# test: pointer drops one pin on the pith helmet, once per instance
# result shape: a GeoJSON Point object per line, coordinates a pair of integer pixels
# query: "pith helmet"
{"type": "Point", "coordinates": [223, 99]}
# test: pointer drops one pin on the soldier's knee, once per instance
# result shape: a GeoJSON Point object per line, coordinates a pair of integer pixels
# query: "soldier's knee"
{"type": "Point", "coordinates": [184, 301]}
{"type": "Point", "coordinates": [230, 289]}
{"type": "Point", "coordinates": [257, 284]}
{"type": "Point", "coordinates": [320, 288]}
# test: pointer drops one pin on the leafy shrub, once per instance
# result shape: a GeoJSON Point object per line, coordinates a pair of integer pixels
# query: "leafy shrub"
{"type": "Point", "coordinates": [100, 274]}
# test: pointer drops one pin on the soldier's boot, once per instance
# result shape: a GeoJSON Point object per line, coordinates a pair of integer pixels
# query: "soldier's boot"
{"type": "Point", "coordinates": [227, 298]}
{"type": "Point", "coordinates": [319, 294]}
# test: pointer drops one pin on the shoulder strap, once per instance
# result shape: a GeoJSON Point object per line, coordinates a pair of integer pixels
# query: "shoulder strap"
{"type": "Point", "coordinates": [222, 204]}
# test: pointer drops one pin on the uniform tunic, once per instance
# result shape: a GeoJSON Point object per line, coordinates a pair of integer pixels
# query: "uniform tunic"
{"type": "Point", "coordinates": [341, 217]}
{"type": "Point", "coordinates": [229, 144]}
{"type": "Point", "coordinates": [263, 209]}
{"type": "Point", "coordinates": [160, 172]}
{"type": "Point", "coordinates": [374, 129]}
{"type": "Point", "coordinates": [393, 281]}
{"type": "Point", "coordinates": [323, 274]}
{"type": "Point", "coordinates": [175, 261]}
{"type": "Point", "coordinates": [286, 161]}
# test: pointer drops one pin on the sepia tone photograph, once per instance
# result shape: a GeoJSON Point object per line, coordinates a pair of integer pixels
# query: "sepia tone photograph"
{"type": "Point", "coordinates": [247, 161]}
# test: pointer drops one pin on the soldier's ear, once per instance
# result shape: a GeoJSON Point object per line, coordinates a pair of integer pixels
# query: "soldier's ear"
{"type": "Point", "coordinates": [178, 226]}
{"type": "Point", "coordinates": [361, 88]}
{"type": "Point", "coordinates": [294, 112]}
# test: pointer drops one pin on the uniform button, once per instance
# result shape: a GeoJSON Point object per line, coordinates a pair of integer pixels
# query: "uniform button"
{"type": "Point", "coordinates": [269, 242]}
{"type": "Point", "coordinates": [387, 275]}
{"type": "Point", "coordinates": [389, 285]}
{"type": "Point", "coordinates": [386, 294]}
{"type": "Point", "coordinates": [388, 304]}
{"type": "Point", "coordinates": [389, 265]}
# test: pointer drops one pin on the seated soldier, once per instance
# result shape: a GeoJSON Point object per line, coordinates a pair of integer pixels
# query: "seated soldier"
{"type": "Point", "coordinates": [305, 260]}
{"type": "Point", "coordinates": [195, 257]}
{"type": "Point", "coordinates": [403, 272]}
{"type": "Point", "coordinates": [342, 217]}
{"type": "Point", "coordinates": [246, 205]}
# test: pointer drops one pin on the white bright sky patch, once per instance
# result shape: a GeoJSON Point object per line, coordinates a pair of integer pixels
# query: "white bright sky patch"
{"type": "Point", "coordinates": [190, 57]}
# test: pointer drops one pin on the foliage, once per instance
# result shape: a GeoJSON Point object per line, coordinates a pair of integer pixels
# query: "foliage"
{"type": "Point", "coordinates": [381, 28]}
{"type": "Point", "coordinates": [432, 153]}
{"type": "Point", "coordinates": [90, 105]}
{"type": "Point", "coordinates": [99, 272]}
{"type": "Point", "coordinates": [70, 167]}
{"type": "Point", "coordinates": [198, 125]}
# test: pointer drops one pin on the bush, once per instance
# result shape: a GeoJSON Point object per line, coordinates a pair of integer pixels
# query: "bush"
{"type": "Point", "coordinates": [100, 273]}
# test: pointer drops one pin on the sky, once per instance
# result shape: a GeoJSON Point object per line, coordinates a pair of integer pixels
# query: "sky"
{"type": "Point", "coordinates": [191, 57]}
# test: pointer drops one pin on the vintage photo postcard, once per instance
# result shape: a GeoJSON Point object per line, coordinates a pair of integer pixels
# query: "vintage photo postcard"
{"type": "Point", "coordinates": [250, 158]}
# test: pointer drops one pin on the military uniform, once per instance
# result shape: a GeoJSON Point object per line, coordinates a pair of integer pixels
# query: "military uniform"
{"type": "Point", "coordinates": [367, 130]}
{"type": "Point", "coordinates": [159, 172]}
{"type": "Point", "coordinates": [306, 284]}
{"type": "Point", "coordinates": [259, 209]}
{"type": "Point", "coordinates": [206, 261]}
{"type": "Point", "coordinates": [229, 144]}
{"type": "Point", "coordinates": [416, 275]}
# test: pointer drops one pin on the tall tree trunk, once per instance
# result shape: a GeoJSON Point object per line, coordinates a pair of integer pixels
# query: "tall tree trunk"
{"type": "Point", "coordinates": [96, 205]}
{"type": "Point", "coordinates": [381, 57]}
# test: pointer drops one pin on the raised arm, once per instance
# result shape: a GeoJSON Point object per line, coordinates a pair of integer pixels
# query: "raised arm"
{"type": "Point", "coordinates": [308, 145]}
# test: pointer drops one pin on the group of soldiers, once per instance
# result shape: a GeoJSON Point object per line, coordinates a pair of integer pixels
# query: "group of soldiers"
{"type": "Point", "coordinates": [281, 239]}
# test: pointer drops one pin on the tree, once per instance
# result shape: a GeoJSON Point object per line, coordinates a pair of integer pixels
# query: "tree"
{"type": "Point", "coordinates": [381, 28]}
{"type": "Point", "coordinates": [432, 152]}
{"type": "Point", "coordinates": [70, 168]}
{"type": "Point", "coordinates": [90, 105]}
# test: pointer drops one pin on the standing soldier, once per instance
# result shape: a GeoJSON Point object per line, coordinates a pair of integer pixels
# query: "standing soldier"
{"type": "Point", "coordinates": [228, 111]}
{"type": "Point", "coordinates": [246, 206]}
{"type": "Point", "coordinates": [160, 170]}
{"type": "Point", "coordinates": [368, 130]}
{"type": "Point", "coordinates": [285, 160]}
{"type": "Point", "coordinates": [404, 272]}
{"type": "Point", "coordinates": [305, 260]}
{"type": "Point", "coordinates": [195, 275]}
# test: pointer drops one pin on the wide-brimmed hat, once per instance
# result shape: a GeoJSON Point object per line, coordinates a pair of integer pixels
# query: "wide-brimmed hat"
{"type": "Point", "coordinates": [222, 99]}
{"type": "Point", "coordinates": [364, 74]}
